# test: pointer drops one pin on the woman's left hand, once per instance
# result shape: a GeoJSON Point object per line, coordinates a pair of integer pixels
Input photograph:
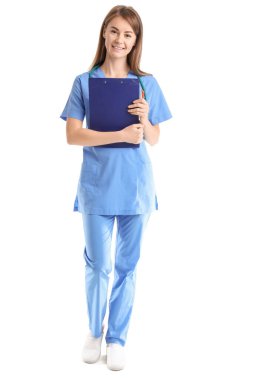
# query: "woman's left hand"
{"type": "Point", "coordinates": [139, 107]}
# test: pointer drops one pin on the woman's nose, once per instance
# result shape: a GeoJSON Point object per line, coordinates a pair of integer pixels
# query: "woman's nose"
{"type": "Point", "coordinates": [119, 38]}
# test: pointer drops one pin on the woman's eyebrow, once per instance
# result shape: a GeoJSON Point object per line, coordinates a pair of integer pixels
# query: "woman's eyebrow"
{"type": "Point", "coordinates": [127, 31]}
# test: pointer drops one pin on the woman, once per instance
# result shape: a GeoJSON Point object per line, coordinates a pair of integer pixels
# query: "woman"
{"type": "Point", "coordinates": [115, 183]}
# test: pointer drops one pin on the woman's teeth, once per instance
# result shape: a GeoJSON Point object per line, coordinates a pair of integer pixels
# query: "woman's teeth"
{"type": "Point", "coordinates": [117, 47]}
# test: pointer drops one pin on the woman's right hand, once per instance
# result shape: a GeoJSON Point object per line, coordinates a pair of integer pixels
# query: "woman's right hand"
{"type": "Point", "coordinates": [133, 133]}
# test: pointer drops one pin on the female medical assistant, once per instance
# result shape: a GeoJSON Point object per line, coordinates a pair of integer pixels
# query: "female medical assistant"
{"type": "Point", "coordinates": [114, 182]}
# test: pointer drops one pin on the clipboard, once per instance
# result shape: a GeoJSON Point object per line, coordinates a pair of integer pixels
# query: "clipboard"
{"type": "Point", "coordinates": [109, 99]}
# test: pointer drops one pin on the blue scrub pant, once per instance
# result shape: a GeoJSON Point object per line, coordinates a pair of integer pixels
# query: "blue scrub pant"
{"type": "Point", "coordinates": [98, 231]}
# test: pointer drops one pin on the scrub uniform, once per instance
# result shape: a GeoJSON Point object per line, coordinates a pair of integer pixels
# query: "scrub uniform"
{"type": "Point", "coordinates": [114, 183]}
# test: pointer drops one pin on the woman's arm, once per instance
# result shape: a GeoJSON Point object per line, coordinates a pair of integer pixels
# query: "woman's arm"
{"type": "Point", "coordinates": [151, 132]}
{"type": "Point", "coordinates": [77, 135]}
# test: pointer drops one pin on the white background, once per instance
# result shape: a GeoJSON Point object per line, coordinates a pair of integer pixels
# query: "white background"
{"type": "Point", "coordinates": [193, 314]}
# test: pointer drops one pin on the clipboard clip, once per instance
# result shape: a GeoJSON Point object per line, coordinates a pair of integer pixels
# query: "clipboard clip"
{"type": "Point", "coordinates": [143, 91]}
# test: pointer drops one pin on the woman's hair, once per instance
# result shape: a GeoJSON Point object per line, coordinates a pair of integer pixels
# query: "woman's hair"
{"type": "Point", "coordinates": [134, 57]}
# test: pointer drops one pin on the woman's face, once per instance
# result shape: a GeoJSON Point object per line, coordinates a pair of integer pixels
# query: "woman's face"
{"type": "Point", "coordinates": [119, 37]}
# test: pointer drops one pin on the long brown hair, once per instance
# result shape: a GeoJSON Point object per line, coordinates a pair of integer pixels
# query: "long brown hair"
{"type": "Point", "coordinates": [134, 57]}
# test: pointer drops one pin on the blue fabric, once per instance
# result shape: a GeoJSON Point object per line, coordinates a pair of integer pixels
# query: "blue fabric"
{"type": "Point", "coordinates": [98, 230]}
{"type": "Point", "coordinates": [115, 181]}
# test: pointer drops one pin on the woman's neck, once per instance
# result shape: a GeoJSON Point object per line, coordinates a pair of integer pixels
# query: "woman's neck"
{"type": "Point", "coordinates": [115, 69]}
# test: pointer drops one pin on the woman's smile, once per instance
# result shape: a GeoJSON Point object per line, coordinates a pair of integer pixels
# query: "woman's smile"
{"type": "Point", "coordinates": [116, 47]}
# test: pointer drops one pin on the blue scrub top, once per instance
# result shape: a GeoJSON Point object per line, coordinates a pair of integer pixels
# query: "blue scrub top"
{"type": "Point", "coordinates": [115, 181]}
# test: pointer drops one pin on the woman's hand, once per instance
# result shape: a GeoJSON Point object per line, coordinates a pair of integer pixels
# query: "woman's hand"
{"type": "Point", "coordinates": [139, 107]}
{"type": "Point", "coordinates": [132, 134]}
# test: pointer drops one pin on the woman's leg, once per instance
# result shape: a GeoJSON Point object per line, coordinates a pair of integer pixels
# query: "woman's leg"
{"type": "Point", "coordinates": [97, 255]}
{"type": "Point", "coordinates": [128, 246]}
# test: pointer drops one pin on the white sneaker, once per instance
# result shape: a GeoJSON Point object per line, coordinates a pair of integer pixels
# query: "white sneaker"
{"type": "Point", "coordinates": [92, 349]}
{"type": "Point", "coordinates": [115, 356]}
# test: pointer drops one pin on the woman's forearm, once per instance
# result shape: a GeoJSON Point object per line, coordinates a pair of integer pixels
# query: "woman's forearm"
{"type": "Point", "coordinates": [89, 137]}
{"type": "Point", "coordinates": [151, 132]}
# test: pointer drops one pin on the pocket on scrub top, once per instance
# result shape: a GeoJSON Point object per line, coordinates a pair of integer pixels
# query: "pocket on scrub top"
{"type": "Point", "coordinates": [145, 161]}
{"type": "Point", "coordinates": [145, 176]}
{"type": "Point", "coordinates": [89, 175]}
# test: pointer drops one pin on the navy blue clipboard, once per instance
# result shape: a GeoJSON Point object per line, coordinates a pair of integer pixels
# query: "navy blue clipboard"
{"type": "Point", "coordinates": [109, 99]}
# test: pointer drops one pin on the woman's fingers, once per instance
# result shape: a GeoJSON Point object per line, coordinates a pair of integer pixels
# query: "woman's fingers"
{"type": "Point", "coordinates": [138, 111]}
{"type": "Point", "coordinates": [139, 107]}
{"type": "Point", "coordinates": [138, 103]}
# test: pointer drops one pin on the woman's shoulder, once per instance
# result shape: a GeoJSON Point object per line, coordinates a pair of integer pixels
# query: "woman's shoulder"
{"type": "Point", "coordinates": [149, 78]}
{"type": "Point", "coordinates": [149, 81]}
{"type": "Point", "coordinates": [81, 80]}
{"type": "Point", "coordinates": [82, 76]}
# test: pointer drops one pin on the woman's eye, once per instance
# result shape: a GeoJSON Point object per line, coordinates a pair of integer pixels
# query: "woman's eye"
{"type": "Point", "coordinates": [128, 35]}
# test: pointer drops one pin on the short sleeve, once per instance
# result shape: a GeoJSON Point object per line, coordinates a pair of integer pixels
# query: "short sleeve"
{"type": "Point", "coordinates": [75, 105]}
{"type": "Point", "coordinates": [158, 108]}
